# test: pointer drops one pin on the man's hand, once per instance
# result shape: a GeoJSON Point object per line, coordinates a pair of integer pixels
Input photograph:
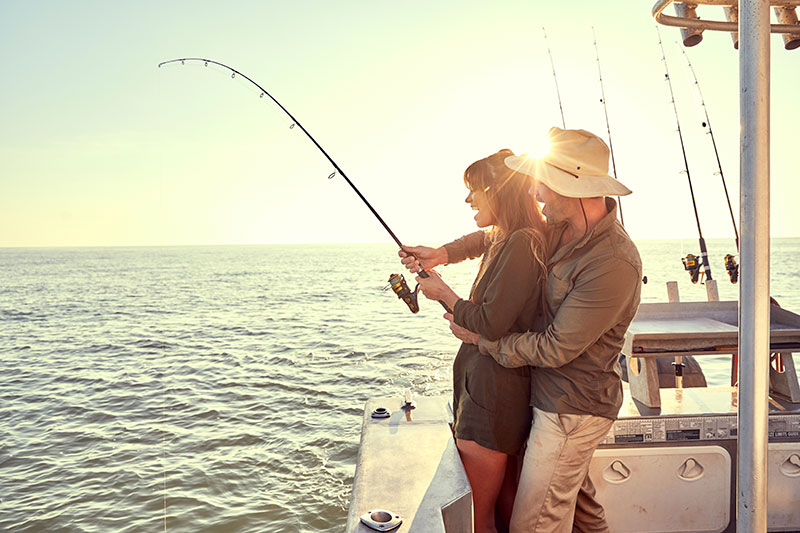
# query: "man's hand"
{"type": "Point", "coordinates": [464, 335]}
{"type": "Point", "coordinates": [416, 258]}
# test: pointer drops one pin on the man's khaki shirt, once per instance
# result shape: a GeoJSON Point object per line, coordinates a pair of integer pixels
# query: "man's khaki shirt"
{"type": "Point", "coordinates": [592, 293]}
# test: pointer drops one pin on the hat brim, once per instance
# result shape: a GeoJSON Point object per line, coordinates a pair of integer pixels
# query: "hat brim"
{"type": "Point", "coordinates": [564, 183]}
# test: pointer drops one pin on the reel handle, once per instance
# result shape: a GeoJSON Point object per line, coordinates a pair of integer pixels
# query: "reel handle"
{"type": "Point", "coordinates": [424, 274]}
{"type": "Point", "coordinates": [398, 284]}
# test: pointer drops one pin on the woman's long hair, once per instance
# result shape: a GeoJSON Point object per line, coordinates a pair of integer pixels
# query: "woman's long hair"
{"type": "Point", "coordinates": [513, 207]}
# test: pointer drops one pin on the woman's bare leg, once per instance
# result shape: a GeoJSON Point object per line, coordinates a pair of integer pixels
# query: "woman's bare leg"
{"type": "Point", "coordinates": [508, 491]}
{"type": "Point", "coordinates": [485, 469]}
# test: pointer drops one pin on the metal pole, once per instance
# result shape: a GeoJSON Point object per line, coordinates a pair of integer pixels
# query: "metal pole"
{"type": "Point", "coordinates": [754, 73]}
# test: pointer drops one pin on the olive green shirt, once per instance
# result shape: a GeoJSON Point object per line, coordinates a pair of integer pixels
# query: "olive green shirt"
{"type": "Point", "coordinates": [507, 291]}
{"type": "Point", "coordinates": [592, 293]}
{"type": "Point", "coordinates": [491, 402]}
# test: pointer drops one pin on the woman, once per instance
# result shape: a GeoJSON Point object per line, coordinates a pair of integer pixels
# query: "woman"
{"type": "Point", "coordinates": [491, 403]}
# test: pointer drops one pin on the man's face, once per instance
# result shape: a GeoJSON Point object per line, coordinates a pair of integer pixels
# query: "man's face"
{"type": "Point", "coordinates": [555, 208]}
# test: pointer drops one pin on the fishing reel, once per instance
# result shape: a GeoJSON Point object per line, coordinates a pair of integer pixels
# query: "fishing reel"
{"type": "Point", "coordinates": [732, 267]}
{"type": "Point", "coordinates": [693, 264]}
{"type": "Point", "coordinates": [398, 284]}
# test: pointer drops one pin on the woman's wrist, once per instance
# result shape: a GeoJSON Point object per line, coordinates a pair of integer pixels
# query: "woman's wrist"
{"type": "Point", "coordinates": [450, 299]}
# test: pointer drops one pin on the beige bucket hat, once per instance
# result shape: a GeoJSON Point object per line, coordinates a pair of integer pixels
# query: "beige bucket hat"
{"type": "Point", "coordinates": [576, 165]}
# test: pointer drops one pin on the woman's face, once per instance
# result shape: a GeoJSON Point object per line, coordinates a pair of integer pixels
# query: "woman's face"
{"type": "Point", "coordinates": [479, 202]}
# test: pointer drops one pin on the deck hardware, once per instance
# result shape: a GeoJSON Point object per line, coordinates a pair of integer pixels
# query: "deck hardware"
{"type": "Point", "coordinates": [381, 412]}
{"type": "Point", "coordinates": [408, 401]}
{"type": "Point", "coordinates": [690, 470]}
{"type": "Point", "coordinates": [776, 361]}
{"type": "Point", "coordinates": [791, 466]}
{"type": "Point", "coordinates": [381, 520]}
{"type": "Point", "coordinates": [616, 472]}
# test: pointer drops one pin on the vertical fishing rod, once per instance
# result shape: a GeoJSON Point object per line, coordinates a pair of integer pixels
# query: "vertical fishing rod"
{"type": "Point", "coordinates": [397, 282]}
{"type": "Point", "coordinates": [730, 263]}
{"type": "Point", "coordinates": [690, 261]}
{"type": "Point", "coordinates": [555, 79]}
{"type": "Point", "coordinates": [608, 126]}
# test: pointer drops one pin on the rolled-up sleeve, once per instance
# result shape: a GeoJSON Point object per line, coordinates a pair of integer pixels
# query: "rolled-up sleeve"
{"type": "Point", "coordinates": [600, 299]}
{"type": "Point", "coordinates": [469, 246]}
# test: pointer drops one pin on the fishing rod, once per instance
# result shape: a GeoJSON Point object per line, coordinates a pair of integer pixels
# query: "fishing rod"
{"type": "Point", "coordinates": [396, 281]}
{"type": "Point", "coordinates": [608, 126]}
{"type": "Point", "coordinates": [690, 262]}
{"type": "Point", "coordinates": [730, 262]}
{"type": "Point", "coordinates": [555, 79]}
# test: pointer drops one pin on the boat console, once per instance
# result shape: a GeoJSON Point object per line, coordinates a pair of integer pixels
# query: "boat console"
{"type": "Point", "coordinates": [669, 462]}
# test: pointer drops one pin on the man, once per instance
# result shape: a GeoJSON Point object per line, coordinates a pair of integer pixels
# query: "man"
{"type": "Point", "coordinates": [592, 293]}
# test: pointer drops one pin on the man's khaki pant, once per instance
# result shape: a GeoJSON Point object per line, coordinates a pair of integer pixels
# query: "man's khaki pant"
{"type": "Point", "coordinates": [554, 486]}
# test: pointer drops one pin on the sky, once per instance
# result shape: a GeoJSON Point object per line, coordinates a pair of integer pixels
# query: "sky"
{"type": "Point", "coordinates": [100, 147]}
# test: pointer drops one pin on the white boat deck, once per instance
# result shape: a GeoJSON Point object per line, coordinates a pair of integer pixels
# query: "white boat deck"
{"type": "Point", "coordinates": [666, 465]}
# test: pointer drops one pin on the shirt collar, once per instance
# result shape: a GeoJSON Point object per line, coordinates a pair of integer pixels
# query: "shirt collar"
{"type": "Point", "coordinates": [601, 227]}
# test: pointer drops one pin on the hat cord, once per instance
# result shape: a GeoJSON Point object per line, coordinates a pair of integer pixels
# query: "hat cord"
{"type": "Point", "coordinates": [585, 220]}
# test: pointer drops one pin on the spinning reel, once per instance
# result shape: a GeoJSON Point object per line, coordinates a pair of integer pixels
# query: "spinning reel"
{"type": "Point", "coordinates": [693, 264]}
{"type": "Point", "coordinates": [398, 284]}
{"type": "Point", "coordinates": [732, 267]}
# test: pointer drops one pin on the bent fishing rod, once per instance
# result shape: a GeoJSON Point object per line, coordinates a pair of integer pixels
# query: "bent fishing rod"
{"type": "Point", "coordinates": [396, 281]}
{"type": "Point", "coordinates": [608, 126]}
{"type": "Point", "coordinates": [730, 262]}
{"type": "Point", "coordinates": [690, 262]}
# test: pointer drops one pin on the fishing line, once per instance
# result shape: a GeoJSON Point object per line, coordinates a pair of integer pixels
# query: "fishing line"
{"type": "Point", "coordinates": [730, 264]}
{"type": "Point", "coordinates": [295, 122]}
{"type": "Point", "coordinates": [690, 262]}
{"type": "Point", "coordinates": [555, 79]}
{"type": "Point", "coordinates": [608, 126]}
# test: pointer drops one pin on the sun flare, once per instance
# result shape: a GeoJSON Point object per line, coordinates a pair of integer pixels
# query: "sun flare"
{"type": "Point", "coordinates": [536, 149]}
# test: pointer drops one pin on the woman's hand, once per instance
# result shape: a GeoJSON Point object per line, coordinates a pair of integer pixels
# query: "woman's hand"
{"type": "Point", "coordinates": [416, 258]}
{"type": "Point", "coordinates": [434, 288]}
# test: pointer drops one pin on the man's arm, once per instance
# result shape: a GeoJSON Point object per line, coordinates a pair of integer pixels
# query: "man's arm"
{"type": "Point", "coordinates": [469, 246]}
{"type": "Point", "coordinates": [600, 298]}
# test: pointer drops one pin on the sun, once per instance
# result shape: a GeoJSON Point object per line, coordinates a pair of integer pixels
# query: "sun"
{"type": "Point", "coordinates": [537, 149]}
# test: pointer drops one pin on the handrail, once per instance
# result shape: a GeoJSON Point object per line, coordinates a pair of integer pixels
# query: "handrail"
{"type": "Point", "coordinates": [718, 25]}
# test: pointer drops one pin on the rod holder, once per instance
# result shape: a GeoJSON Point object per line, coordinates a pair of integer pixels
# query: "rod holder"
{"type": "Point", "coordinates": [732, 15]}
{"type": "Point", "coordinates": [788, 15]}
{"type": "Point", "coordinates": [689, 36]}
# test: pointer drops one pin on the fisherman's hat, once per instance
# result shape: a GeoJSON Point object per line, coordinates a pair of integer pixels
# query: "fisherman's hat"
{"type": "Point", "coordinates": [576, 165]}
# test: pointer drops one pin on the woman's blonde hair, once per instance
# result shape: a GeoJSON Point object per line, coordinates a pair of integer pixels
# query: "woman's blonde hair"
{"type": "Point", "coordinates": [513, 207]}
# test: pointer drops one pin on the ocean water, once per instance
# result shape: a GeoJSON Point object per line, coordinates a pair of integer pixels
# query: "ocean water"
{"type": "Point", "coordinates": [221, 388]}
